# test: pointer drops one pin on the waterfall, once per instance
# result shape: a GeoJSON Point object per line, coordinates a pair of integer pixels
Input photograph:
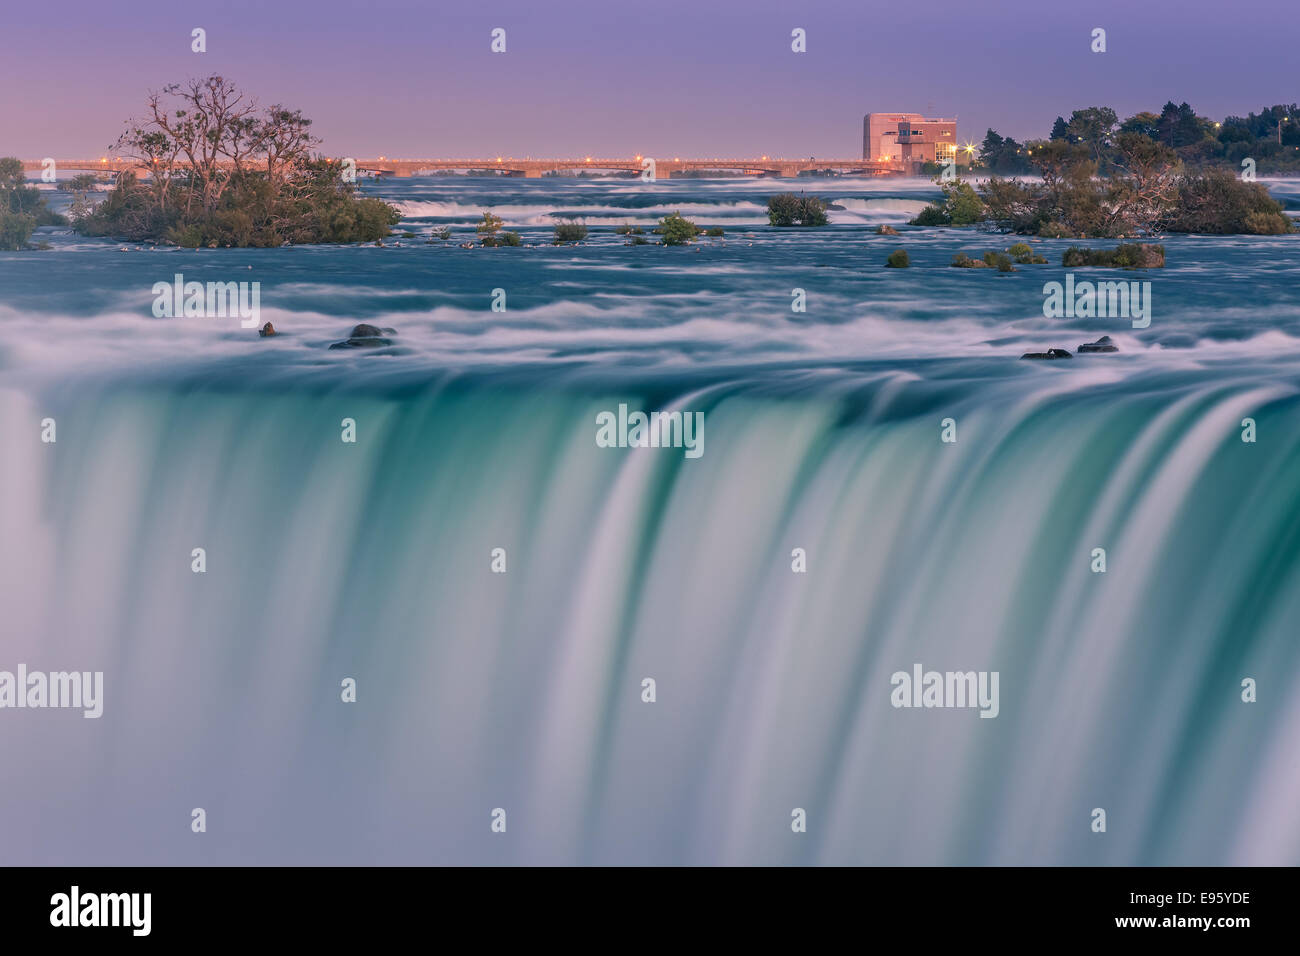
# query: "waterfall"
{"type": "Point", "coordinates": [523, 690]}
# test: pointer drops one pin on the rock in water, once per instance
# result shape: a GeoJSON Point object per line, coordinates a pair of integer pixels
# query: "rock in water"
{"type": "Point", "coordinates": [267, 331]}
{"type": "Point", "coordinates": [1049, 355]}
{"type": "Point", "coordinates": [886, 231]}
{"type": "Point", "coordinates": [1103, 344]}
{"type": "Point", "coordinates": [366, 337]}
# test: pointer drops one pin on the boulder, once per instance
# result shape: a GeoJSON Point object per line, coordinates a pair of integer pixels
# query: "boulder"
{"type": "Point", "coordinates": [1103, 344]}
{"type": "Point", "coordinates": [1049, 355]}
{"type": "Point", "coordinates": [886, 231]}
{"type": "Point", "coordinates": [366, 337]}
{"type": "Point", "coordinates": [266, 331]}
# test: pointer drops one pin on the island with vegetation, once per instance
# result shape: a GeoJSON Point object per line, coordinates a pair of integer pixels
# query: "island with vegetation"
{"type": "Point", "coordinates": [223, 171]}
{"type": "Point", "coordinates": [1151, 174]}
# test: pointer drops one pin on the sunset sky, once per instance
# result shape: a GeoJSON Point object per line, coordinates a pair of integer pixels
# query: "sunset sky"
{"type": "Point", "coordinates": [672, 77]}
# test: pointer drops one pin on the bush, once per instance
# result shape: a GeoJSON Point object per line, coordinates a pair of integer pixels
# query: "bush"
{"type": "Point", "coordinates": [569, 230]}
{"type": "Point", "coordinates": [1127, 255]}
{"type": "Point", "coordinates": [627, 229]}
{"type": "Point", "coordinates": [251, 212]}
{"type": "Point", "coordinates": [676, 230]}
{"type": "Point", "coordinates": [787, 209]}
{"type": "Point", "coordinates": [960, 206]}
{"type": "Point", "coordinates": [715, 232]}
{"type": "Point", "coordinates": [1218, 203]}
{"type": "Point", "coordinates": [638, 240]}
{"type": "Point", "coordinates": [509, 239]}
{"type": "Point", "coordinates": [16, 229]}
{"type": "Point", "coordinates": [444, 233]}
{"type": "Point", "coordinates": [898, 259]}
{"type": "Point", "coordinates": [996, 260]}
{"type": "Point", "coordinates": [82, 182]}
{"type": "Point", "coordinates": [1267, 224]}
{"type": "Point", "coordinates": [931, 215]}
{"type": "Point", "coordinates": [963, 261]}
{"type": "Point", "coordinates": [488, 226]}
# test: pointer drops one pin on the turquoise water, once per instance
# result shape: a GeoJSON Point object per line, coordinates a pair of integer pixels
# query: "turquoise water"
{"type": "Point", "coordinates": [476, 430]}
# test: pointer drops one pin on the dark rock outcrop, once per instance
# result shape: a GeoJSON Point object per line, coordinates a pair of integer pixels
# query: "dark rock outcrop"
{"type": "Point", "coordinates": [366, 337]}
{"type": "Point", "coordinates": [1103, 344]}
{"type": "Point", "coordinates": [1049, 355]}
{"type": "Point", "coordinates": [266, 331]}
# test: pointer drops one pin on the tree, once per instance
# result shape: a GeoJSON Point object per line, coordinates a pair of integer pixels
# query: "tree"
{"type": "Point", "coordinates": [1004, 156]}
{"type": "Point", "coordinates": [1148, 186]}
{"type": "Point", "coordinates": [787, 209]}
{"type": "Point", "coordinates": [1178, 125]}
{"type": "Point", "coordinates": [1146, 123]}
{"type": "Point", "coordinates": [22, 207]}
{"type": "Point", "coordinates": [488, 226]}
{"type": "Point", "coordinates": [1092, 128]}
{"type": "Point", "coordinates": [676, 230]}
{"type": "Point", "coordinates": [1060, 130]}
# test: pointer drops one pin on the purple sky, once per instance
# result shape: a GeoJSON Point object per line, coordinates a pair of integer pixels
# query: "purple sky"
{"type": "Point", "coordinates": [615, 77]}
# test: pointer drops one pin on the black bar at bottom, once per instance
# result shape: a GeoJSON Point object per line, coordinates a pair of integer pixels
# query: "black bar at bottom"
{"type": "Point", "coordinates": [377, 905]}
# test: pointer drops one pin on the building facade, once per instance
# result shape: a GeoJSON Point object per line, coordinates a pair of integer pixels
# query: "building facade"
{"type": "Point", "coordinates": [910, 139]}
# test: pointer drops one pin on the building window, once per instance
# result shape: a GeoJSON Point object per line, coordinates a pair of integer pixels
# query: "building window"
{"type": "Point", "coordinates": [945, 152]}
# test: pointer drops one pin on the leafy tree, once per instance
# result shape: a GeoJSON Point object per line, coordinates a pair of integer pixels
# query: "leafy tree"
{"type": "Point", "coordinates": [787, 209]}
{"type": "Point", "coordinates": [22, 207]}
{"type": "Point", "coordinates": [677, 231]}
{"type": "Point", "coordinates": [1093, 127]}
{"type": "Point", "coordinates": [1148, 124]}
{"type": "Point", "coordinates": [1178, 125]}
{"type": "Point", "coordinates": [489, 226]}
{"type": "Point", "coordinates": [1060, 129]}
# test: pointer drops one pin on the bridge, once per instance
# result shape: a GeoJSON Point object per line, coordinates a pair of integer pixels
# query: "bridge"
{"type": "Point", "coordinates": [529, 168]}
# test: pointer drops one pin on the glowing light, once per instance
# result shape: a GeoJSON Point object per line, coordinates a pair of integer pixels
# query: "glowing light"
{"type": "Point", "coordinates": [588, 159]}
{"type": "Point", "coordinates": [498, 159]}
{"type": "Point", "coordinates": [638, 157]}
{"type": "Point", "coordinates": [103, 159]}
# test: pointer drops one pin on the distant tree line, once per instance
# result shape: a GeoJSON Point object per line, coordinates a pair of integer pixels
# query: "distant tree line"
{"type": "Point", "coordinates": [1271, 138]}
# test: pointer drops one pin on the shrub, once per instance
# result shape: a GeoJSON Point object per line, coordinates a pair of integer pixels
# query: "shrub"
{"type": "Point", "coordinates": [960, 206]}
{"type": "Point", "coordinates": [996, 260]}
{"type": "Point", "coordinates": [569, 230]}
{"type": "Point", "coordinates": [963, 261]}
{"type": "Point", "coordinates": [787, 209]}
{"type": "Point", "coordinates": [16, 229]}
{"type": "Point", "coordinates": [444, 233]}
{"type": "Point", "coordinates": [676, 230]}
{"type": "Point", "coordinates": [489, 225]}
{"type": "Point", "coordinates": [931, 215]}
{"type": "Point", "coordinates": [898, 259]}
{"type": "Point", "coordinates": [1218, 203]}
{"type": "Point", "coordinates": [1267, 224]}
{"type": "Point", "coordinates": [509, 239]}
{"type": "Point", "coordinates": [1127, 255]}
{"type": "Point", "coordinates": [1054, 230]}
{"type": "Point", "coordinates": [627, 229]}
{"type": "Point", "coordinates": [715, 232]}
